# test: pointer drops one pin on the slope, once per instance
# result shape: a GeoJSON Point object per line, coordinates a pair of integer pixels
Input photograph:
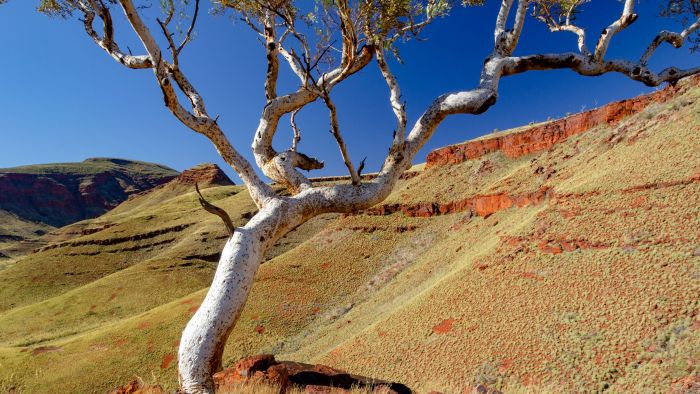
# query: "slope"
{"type": "Point", "coordinates": [35, 199]}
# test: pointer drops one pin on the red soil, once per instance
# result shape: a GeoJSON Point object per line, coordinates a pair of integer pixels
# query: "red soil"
{"type": "Point", "coordinates": [167, 360]}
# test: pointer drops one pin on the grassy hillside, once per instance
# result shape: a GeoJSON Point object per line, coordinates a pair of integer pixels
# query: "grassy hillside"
{"type": "Point", "coordinates": [577, 269]}
{"type": "Point", "coordinates": [36, 199]}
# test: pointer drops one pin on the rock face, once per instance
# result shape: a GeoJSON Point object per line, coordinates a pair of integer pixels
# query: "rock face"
{"type": "Point", "coordinates": [543, 136]}
{"type": "Point", "coordinates": [60, 194]}
{"type": "Point", "coordinates": [484, 205]}
{"type": "Point", "coordinates": [204, 174]}
{"type": "Point", "coordinates": [264, 369]}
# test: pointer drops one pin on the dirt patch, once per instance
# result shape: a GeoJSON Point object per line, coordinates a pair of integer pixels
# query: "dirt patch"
{"type": "Point", "coordinates": [45, 349]}
{"type": "Point", "coordinates": [167, 361]}
{"type": "Point", "coordinates": [444, 327]}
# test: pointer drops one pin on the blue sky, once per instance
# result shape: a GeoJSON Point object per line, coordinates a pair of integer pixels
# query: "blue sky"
{"type": "Point", "coordinates": [64, 99]}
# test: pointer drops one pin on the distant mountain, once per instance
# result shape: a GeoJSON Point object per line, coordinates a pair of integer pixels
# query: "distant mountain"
{"type": "Point", "coordinates": [63, 193]}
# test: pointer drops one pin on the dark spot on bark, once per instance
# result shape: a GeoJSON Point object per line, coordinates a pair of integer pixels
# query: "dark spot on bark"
{"type": "Point", "coordinates": [271, 46]}
{"type": "Point", "coordinates": [262, 239]}
{"type": "Point", "coordinates": [488, 103]}
{"type": "Point", "coordinates": [636, 70]}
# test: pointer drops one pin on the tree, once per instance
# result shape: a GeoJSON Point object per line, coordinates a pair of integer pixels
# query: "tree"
{"type": "Point", "coordinates": [304, 35]}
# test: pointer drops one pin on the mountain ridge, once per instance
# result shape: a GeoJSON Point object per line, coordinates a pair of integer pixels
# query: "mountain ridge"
{"type": "Point", "coordinates": [58, 194]}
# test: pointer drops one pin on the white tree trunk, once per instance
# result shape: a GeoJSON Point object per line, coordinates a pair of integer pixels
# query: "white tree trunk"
{"type": "Point", "coordinates": [203, 340]}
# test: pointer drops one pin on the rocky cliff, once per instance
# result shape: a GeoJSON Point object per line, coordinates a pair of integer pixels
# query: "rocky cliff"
{"type": "Point", "coordinates": [543, 136]}
{"type": "Point", "coordinates": [204, 175]}
{"type": "Point", "coordinates": [60, 194]}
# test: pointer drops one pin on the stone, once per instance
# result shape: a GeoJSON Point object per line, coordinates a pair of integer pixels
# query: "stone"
{"type": "Point", "coordinates": [136, 387]}
{"type": "Point", "coordinates": [264, 369]}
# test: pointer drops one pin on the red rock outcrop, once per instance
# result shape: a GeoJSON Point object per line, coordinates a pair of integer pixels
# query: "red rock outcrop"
{"type": "Point", "coordinates": [264, 369]}
{"type": "Point", "coordinates": [541, 137]}
{"type": "Point", "coordinates": [483, 205]}
{"type": "Point", "coordinates": [203, 175]}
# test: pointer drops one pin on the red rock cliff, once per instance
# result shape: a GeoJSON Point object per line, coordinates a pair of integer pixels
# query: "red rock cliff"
{"type": "Point", "coordinates": [204, 174]}
{"type": "Point", "coordinates": [543, 136]}
{"type": "Point", "coordinates": [60, 194]}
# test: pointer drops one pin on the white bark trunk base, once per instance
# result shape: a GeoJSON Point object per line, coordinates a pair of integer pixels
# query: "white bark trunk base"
{"type": "Point", "coordinates": [204, 337]}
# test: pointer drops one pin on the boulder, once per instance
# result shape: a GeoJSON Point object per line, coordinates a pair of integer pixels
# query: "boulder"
{"type": "Point", "coordinates": [264, 369]}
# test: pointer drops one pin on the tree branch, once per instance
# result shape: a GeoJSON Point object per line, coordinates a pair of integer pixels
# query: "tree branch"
{"type": "Point", "coordinates": [188, 35]}
{"type": "Point", "coordinates": [294, 64]}
{"type": "Point", "coordinates": [580, 33]}
{"type": "Point", "coordinates": [394, 98]}
{"type": "Point", "coordinates": [213, 209]}
{"type": "Point", "coordinates": [199, 121]}
{"type": "Point", "coordinates": [295, 129]}
{"type": "Point", "coordinates": [627, 18]}
{"type": "Point", "coordinates": [499, 32]}
{"type": "Point", "coordinates": [265, 155]}
{"type": "Point", "coordinates": [675, 39]}
{"type": "Point", "coordinates": [166, 32]}
{"type": "Point", "coordinates": [335, 131]}
{"type": "Point", "coordinates": [271, 53]}
{"type": "Point", "coordinates": [554, 25]}
{"type": "Point", "coordinates": [106, 42]}
{"type": "Point", "coordinates": [514, 35]}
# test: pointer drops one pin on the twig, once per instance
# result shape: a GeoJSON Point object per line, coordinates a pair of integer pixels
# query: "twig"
{"type": "Point", "coordinates": [213, 209]}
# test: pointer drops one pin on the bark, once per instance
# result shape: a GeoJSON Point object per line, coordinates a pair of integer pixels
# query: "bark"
{"type": "Point", "coordinates": [675, 39]}
{"type": "Point", "coordinates": [204, 337]}
{"type": "Point", "coordinates": [627, 18]}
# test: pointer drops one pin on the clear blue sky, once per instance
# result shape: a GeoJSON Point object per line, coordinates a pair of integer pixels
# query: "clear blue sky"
{"type": "Point", "coordinates": [63, 99]}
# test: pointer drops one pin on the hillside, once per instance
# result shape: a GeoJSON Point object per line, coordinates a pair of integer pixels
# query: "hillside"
{"type": "Point", "coordinates": [37, 198]}
{"type": "Point", "coordinates": [562, 257]}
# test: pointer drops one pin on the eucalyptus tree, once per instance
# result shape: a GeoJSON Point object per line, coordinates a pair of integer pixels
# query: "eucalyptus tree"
{"type": "Point", "coordinates": [324, 43]}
